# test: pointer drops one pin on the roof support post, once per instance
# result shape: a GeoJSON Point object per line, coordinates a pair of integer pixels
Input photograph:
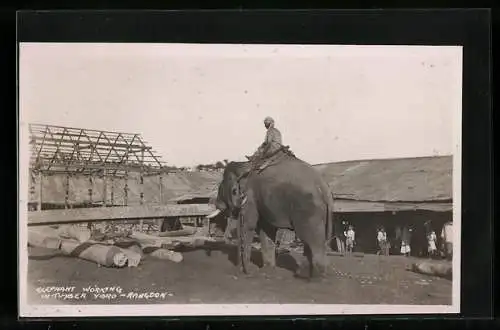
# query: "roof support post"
{"type": "Point", "coordinates": [141, 183]}
{"type": "Point", "coordinates": [112, 195]}
{"type": "Point", "coordinates": [161, 188]}
{"type": "Point", "coordinates": [40, 190]}
{"type": "Point", "coordinates": [91, 183]}
{"type": "Point", "coordinates": [104, 188]}
{"type": "Point", "coordinates": [125, 190]}
{"type": "Point", "coordinates": [142, 177]}
{"type": "Point", "coordinates": [66, 197]}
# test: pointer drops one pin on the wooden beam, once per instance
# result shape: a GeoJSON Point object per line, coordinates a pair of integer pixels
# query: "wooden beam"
{"type": "Point", "coordinates": [40, 190]}
{"type": "Point", "coordinates": [160, 178]}
{"type": "Point", "coordinates": [112, 197]}
{"type": "Point", "coordinates": [91, 189]}
{"type": "Point", "coordinates": [118, 213]}
{"type": "Point", "coordinates": [76, 167]}
{"type": "Point", "coordinates": [66, 195]}
{"type": "Point", "coordinates": [50, 144]}
{"type": "Point", "coordinates": [344, 206]}
{"type": "Point", "coordinates": [125, 190]}
{"type": "Point", "coordinates": [104, 189]}
{"type": "Point", "coordinates": [43, 126]}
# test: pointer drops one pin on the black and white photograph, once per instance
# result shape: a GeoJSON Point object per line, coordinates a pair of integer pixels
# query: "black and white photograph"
{"type": "Point", "coordinates": [185, 179]}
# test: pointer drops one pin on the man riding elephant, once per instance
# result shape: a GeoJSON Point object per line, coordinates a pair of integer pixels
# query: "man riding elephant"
{"type": "Point", "coordinates": [285, 193]}
{"type": "Point", "coordinates": [272, 142]}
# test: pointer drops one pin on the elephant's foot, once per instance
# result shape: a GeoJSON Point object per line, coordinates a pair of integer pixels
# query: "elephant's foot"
{"type": "Point", "coordinates": [320, 270]}
{"type": "Point", "coordinates": [269, 261]}
{"type": "Point", "coordinates": [268, 269]}
{"type": "Point", "coordinates": [319, 276]}
{"type": "Point", "coordinates": [316, 274]}
{"type": "Point", "coordinates": [306, 276]}
{"type": "Point", "coordinates": [303, 272]}
{"type": "Point", "coordinates": [316, 279]}
{"type": "Point", "coordinates": [250, 269]}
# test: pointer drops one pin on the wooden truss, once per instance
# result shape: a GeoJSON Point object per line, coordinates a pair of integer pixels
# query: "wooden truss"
{"type": "Point", "coordinates": [68, 150]}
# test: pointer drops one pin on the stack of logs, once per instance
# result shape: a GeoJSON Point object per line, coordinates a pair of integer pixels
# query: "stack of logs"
{"type": "Point", "coordinates": [114, 249]}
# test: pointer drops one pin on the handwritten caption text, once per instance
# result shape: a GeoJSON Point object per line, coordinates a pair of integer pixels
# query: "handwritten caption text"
{"type": "Point", "coordinates": [97, 293]}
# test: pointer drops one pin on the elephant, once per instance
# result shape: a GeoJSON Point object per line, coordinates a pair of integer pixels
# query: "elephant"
{"type": "Point", "coordinates": [287, 194]}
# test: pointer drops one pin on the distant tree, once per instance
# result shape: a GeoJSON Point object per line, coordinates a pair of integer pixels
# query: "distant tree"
{"type": "Point", "coordinates": [219, 165]}
{"type": "Point", "coordinates": [226, 161]}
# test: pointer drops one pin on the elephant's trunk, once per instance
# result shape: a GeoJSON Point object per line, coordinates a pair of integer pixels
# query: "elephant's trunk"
{"type": "Point", "coordinates": [244, 244]}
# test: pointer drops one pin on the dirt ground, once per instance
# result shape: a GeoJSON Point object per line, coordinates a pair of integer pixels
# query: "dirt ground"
{"type": "Point", "coordinates": [211, 277]}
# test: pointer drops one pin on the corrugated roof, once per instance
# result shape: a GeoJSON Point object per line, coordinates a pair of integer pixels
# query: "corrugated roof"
{"type": "Point", "coordinates": [403, 179]}
{"type": "Point", "coordinates": [424, 179]}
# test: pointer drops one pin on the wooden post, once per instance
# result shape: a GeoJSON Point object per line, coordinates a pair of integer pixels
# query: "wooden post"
{"type": "Point", "coordinates": [89, 224]}
{"type": "Point", "coordinates": [141, 201]}
{"type": "Point", "coordinates": [142, 193]}
{"type": "Point", "coordinates": [125, 190]}
{"type": "Point", "coordinates": [112, 197]}
{"type": "Point", "coordinates": [66, 198]}
{"type": "Point", "coordinates": [32, 191]}
{"type": "Point", "coordinates": [142, 177]}
{"type": "Point", "coordinates": [104, 188]}
{"type": "Point", "coordinates": [91, 182]}
{"type": "Point", "coordinates": [40, 189]}
{"type": "Point", "coordinates": [161, 189]}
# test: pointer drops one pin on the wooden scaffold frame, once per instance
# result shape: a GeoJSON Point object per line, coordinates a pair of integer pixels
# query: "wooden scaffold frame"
{"type": "Point", "coordinates": [94, 153]}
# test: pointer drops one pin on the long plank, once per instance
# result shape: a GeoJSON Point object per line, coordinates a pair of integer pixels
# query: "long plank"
{"type": "Point", "coordinates": [342, 206]}
{"type": "Point", "coordinates": [192, 210]}
{"type": "Point", "coordinates": [50, 217]}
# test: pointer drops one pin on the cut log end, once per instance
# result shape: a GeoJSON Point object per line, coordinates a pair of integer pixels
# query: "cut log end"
{"type": "Point", "coordinates": [120, 260]}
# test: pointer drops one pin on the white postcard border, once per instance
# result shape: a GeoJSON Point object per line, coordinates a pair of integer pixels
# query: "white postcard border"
{"type": "Point", "coordinates": [40, 311]}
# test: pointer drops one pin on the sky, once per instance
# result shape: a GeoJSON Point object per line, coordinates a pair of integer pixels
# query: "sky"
{"type": "Point", "coordinates": [198, 103]}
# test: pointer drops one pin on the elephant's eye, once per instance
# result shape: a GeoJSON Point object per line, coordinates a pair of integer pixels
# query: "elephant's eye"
{"type": "Point", "coordinates": [235, 191]}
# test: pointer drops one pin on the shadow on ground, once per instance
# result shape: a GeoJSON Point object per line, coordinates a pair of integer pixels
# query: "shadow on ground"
{"type": "Point", "coordinates": [283, 260]}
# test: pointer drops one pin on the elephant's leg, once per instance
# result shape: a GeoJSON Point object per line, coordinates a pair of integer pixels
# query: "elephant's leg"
{"type": "Point", "coordinates": [247, 223]}
{"type": "Point", "coordinates": [268, 248]}
{"type": "Point", "coordinates": [319, 259]}
{"type": "Point", "coordinates": [315, 263]}
{"type": "Point", "coordinates": [305, 266]}
{"type": "Point", "coordinates": [314, 250]}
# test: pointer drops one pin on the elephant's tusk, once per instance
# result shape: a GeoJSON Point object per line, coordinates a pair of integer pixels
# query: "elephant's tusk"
{"type": "Point", "coordinates": [214, 214]}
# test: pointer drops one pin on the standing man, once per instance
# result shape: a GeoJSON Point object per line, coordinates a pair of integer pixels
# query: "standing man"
{"type": "Point", "coordinates": [382, 240]}
{"type": "Point", "coordinates": [431, 240]}
{"type": "Point", "coordinates": [405, 241]}
{"type": "Point", "coordinates": [350, 239]}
